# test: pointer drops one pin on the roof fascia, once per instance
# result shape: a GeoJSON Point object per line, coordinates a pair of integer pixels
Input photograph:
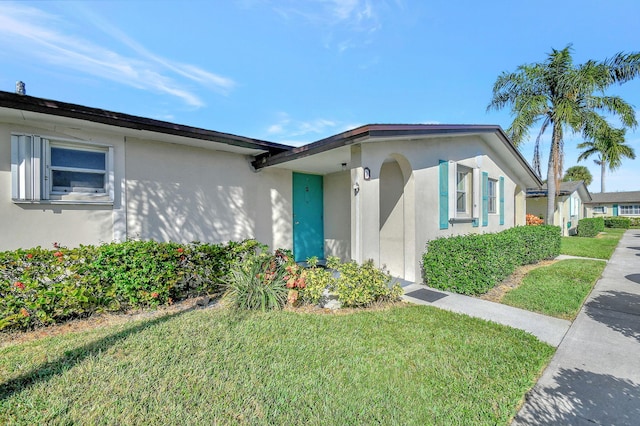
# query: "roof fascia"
{"type": "Point", "coordinates": [383, 130]}
{"type": "Point", "coordinates": [96, 115]}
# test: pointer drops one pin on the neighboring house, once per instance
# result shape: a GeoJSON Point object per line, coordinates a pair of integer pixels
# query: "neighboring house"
{"type": "Point", "coordinates": [614, 204]}
{"type": "Point", "coordinates": [570, 204]}
{"type": "Point", "coordinates": [80, 175]}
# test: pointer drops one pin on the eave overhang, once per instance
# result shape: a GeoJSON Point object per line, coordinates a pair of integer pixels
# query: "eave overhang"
{"type": "Point", "coordinates": [373, 132]}
{"type": "Point", "coordinates": [95, 115]}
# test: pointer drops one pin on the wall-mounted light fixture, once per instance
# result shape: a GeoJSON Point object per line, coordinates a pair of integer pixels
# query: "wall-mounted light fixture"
{"type": "Point", "coordinates": [344, 166]}
{"type": "Point", "coordinates": [367, 173]}
{"type": "Point", "coordinates": [356, 188]}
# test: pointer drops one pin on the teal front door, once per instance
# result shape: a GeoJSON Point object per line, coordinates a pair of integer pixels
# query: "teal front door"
{"type": "Point", "coordinates": [308, 221]}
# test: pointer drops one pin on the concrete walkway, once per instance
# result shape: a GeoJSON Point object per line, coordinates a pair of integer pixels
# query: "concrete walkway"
{"type": "Point", "coordinates": [594, 377]}
{"type": "Point", "coordinates": [547, 329]}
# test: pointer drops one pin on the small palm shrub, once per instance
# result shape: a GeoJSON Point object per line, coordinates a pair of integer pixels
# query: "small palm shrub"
{"type": "Point", "coordinates": [264, 281]}
{"type": "Point", "coordinates": [257, 283]}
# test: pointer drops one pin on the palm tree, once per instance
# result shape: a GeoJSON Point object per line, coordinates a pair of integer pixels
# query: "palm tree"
{"type": "Point", "coordinates": [559, 95]}
{"type": "Point", "coordinates": [608, 144]}
{"type": "Point", "coordinates": [575, 173]}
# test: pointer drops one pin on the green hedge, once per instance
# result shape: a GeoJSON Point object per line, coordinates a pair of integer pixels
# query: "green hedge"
{"type": "Point", "coordinates": [617, 222]}
{"type": "Point", "coordinates": [473, 264]}
{"type": "Point", "coordinates": [590, 227]}
{"type": "Point", "coordinates": [39, 286]}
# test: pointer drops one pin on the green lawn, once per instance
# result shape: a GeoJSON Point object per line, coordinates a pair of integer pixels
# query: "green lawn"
{"type": "Point", "coordinates": [601, 247]}
{"type": "Point", "coordinates": [406, 365]}
{"type": "Point", "coordinates": [557, 290]}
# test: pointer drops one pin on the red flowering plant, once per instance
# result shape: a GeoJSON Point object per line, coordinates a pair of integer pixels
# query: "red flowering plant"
{"type": "Point", "coordinates": [36, 288]}
{"type": "Point", "coordinates": [534, 220]}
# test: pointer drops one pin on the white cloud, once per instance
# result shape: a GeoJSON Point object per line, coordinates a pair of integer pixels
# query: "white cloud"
{"type": "Point", "coordinates": [346, 24]}
{"type": "Point", "coordinates": [33, 33]}
{"type": "Point", "coordinates": [286, 128]}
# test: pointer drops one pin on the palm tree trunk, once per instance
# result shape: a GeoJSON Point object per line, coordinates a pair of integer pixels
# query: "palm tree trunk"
{"type": "Point", "coordinates": [602, 172]}
{"type": "Point", "coordinates": [551, 177]}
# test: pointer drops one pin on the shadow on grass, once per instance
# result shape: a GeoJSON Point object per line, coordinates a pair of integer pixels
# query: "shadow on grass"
{"type": "Point", "coordinates": [582, 397]}
{"type": "Point", "coordinates": [70, 358]}
{"type": "Point", "coordinates": [618, 310]}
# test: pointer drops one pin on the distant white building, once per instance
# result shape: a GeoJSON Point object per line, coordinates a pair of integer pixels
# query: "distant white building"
{"type": "Point", "coordinates": [614, 204]}
{"type": "Point", "coordinates": [570, 204]}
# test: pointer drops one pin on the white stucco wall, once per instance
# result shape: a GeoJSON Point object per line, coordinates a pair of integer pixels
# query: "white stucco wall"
{"type": "Point", "coordinates": [162, 191]}
{"type": "Point", "coordinates": [182, 193]}
{"type": "Point", "coordinates": [391, 219]}
{"type": "Point", "coordinates": [42, 224]}
{"type": "Point", "coordinates": [421, 174]}
{"type": "Point", "coordinates": [337, 215]}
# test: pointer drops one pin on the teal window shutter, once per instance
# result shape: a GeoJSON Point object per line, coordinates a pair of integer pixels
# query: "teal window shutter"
{"type": "Point", "coordinates": [615, 210]}
{"type": "Point", "coordinates": [444, 194]}
{"type": "Point", "coordinates": [485, 198]}
{"type": "Point", "coordinates": [501, 200]}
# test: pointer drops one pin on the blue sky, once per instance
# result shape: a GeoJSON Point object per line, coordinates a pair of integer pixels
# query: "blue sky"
{"type": "Point", "coordinates": [295, 71]}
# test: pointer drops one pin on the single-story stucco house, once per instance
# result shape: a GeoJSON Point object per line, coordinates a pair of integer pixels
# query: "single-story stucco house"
{"type": "Point", "coordinates": [614, 204]}
{"type": "Point", "coordinates": [570, 204]}
{"type": "Point", "coordinates": [79, 175]}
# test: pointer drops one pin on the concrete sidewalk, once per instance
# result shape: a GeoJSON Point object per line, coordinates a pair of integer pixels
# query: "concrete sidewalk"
{"type": "Point", "coordinates": [547, 329]}
{"type": "Point", "coordinates": [594, 377]}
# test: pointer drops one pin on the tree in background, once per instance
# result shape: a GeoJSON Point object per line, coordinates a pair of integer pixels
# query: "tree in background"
{"type": "Point", "coordinates": [609, 146]}
{"type": "Point", "coordinates": [575, 173]}
{"type": "Point", "coordinates": [559, 95]}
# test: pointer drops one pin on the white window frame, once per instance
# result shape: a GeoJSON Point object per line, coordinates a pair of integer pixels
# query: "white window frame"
{"type": "Point", "coordinates": [574, 205]}
{"type": "Point", "coordinates": [471, 189]}
{"type": "Point", "coordinates": [462, 188]}
{"type": "Point", "coordinates": [492, 196]}
{"type": "Point", "coordinates": [599, 209]}
{"type": "Point", "coordinates": [629, 209]}
{"type": "Point", "coordinates": [32, 171]}
{"type": "Point", "coordinates": [51, 168]}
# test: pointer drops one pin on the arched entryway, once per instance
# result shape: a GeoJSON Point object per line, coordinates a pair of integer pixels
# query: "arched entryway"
{"type": "Point", "coordinates": [396, 211]}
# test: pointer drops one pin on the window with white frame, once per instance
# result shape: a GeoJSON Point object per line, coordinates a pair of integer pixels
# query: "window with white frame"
{"type": "Point", "coordinates": [492, 190]}
{"type": "Point", "coordinates": [599, 210]}
{"type": "Point", "coordinates": [574, 206]}
{"type": "Point", "coordinates": [78, 169]}
{"type": "Point", "coordinates": [58, 170]}
{"type": "Point", "coordinates": [463, 184]}
{"type": "Point", "coordinates": [632, 209]}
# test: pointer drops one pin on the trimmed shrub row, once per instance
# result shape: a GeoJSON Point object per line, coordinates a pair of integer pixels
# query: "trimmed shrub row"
{"type": "Point", "coordinates": [473, 264]}
{"type": "Point", "coordinates": [40, 287]}
{"type": "Point", "coordinates": [590, 227]}
{"type": "Point", "coordinates": [617, 222]}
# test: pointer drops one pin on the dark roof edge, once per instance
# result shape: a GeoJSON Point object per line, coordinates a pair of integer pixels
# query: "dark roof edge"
{"type": "Point", "coordinates": [615, 197]}
{"type": "Point", "coordinates": [388, 130]}
{"type": "Point", "coordinates": [565, 188]}
{"type": "Point", "coordinates": [96, 115]}
{"type": "Point", "coordinates": [518, 155]}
